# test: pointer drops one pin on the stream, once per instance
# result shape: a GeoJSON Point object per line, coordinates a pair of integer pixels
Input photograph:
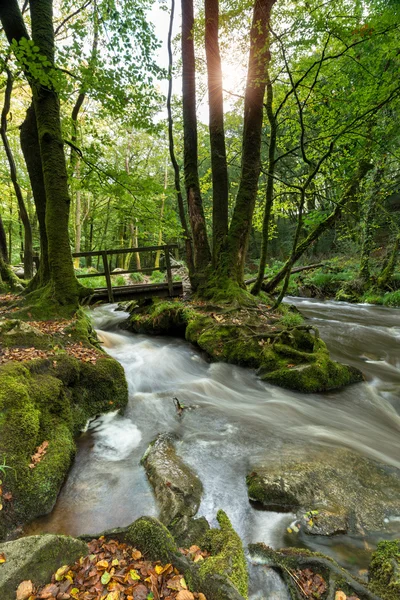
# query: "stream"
{"type": "Point", "coordinates": [235, 420]}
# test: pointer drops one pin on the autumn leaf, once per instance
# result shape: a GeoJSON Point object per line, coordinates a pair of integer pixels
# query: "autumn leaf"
{"type": "Point", "coordinates": [2, 558]}
{"type": "Point", "coordinates": [105, 578]}
{"type": "Point", "coordinates": [24, 590]}
{"type": "Point", "coordinates": [185, 595]}
{"type": "Point", "coordinates": [61, 572]}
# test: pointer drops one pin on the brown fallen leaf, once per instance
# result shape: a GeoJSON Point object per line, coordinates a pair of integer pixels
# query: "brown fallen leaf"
{"type": "Point", "coordinates": [185, 595]}
{"type": "Point", "coordinates": [24, 590]}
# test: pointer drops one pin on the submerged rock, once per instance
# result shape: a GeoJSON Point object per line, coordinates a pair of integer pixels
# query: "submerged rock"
{"type": "Point", "coordinates": [343, 491]}
{"type": "Point", "coordinates": [35, 558]}
{"type": "Point", "coordinates": [177, 489]}
{"type": "Point", "coordinates": [291, 356]}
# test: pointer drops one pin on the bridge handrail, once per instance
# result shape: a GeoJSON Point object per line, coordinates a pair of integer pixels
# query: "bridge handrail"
{"type": "Point", "coordinates": [107, 273]}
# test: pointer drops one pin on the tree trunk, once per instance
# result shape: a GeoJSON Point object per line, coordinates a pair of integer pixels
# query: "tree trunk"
{"type": "Point", "coordinates": [181, 208]}
{"type": "Point", "coordinates": [259, 58]}
{"type": "Point", "coordinates": [31, 151]}
{"type": "Point", "coordinates": [368, 229]}
{"type": "Point", "coordinates": [219, 167]}
{"type": "Point", "coordinates": [387, 273]}
{"type": "Point", "coordinates": [269, 196]}
{"type": "Point", "coordinates": [3, 242]}
{"type": "Point", "coordinates": [202, 254]}
{"type": "Point", "coordinates": [28, 244]}
{"type": "Point", "coordinates": [319, 229]}
{"type": "Point", "coordinates": [47, 110]}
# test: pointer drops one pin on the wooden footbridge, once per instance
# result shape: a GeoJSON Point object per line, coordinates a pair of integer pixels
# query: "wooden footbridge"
{"type": "Point", "coordinates": [133, 291]}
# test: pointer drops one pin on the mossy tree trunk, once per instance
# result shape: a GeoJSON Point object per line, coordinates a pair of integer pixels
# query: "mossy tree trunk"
{"type": "Point", "coordinates": [219, 167]}
{"type": "Point", "coordinates": [235, 251]}
{"type": "Point", "coordinates": [31, 151]}
{"type": "Point", "coordinates": [387, 272]}
{"type": "Point", "coordinates": [47, 110]}
{"type": "Point", "coordinates": [368, 226]}
{"type": "Point", "coordinates": [202, 254]}
{"type": "Point", "coordinates": [23, 213]}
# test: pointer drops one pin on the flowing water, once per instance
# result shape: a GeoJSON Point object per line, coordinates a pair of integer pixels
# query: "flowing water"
{"type": "Point", "coordinates": [234, 420]}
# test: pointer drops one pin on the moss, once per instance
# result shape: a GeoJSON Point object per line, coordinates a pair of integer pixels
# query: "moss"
{"type": "Point", "coordinates": [228, 557]}
{"type": "Point", "coordinates": [271, 497]}
{"type": "Point", "coordinates": [48, 400]}
{"type": "Point", "coordinates": [160, 318]}
{"type": "Point", "coordinates": [384, 570]}
{"type": "Point", "coordinates": [153, 539]}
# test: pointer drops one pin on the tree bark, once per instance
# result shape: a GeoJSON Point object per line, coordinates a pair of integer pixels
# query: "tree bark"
{"type": "Point", "coordinates": [181, 207]}
{"type": "Point", "coordinates": [3, 242]}
{"type": "Point", "coordinates": [269, 195]}
{"type": "Point", "coordinates": [47, 110]}
{"type": "Point", "coordinates": [219, 167]}
{"type": "Point", "coordinates": [387, 273]}
{"type": "Point", "coordinates": [31, 151]}
{"type": "Point", "coordinates": [319, 229]}
{"type": "Point", "coordinates": [259, 58]}
{"type": "Point", "coordinates": [28, 244]}
{"type": "Point", "coordinates": [202, 254]}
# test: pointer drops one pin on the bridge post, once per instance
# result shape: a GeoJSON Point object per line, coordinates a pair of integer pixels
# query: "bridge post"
{"type": "Point", "coordinates": [169, 271]}
{"type": "Point", "coordinates": [107, 276]}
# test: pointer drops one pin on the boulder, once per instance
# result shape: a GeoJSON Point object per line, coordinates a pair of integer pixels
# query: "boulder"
{"type": "Point", "coordinates": [177, 489]}
{"type": "Point", "coordinates": [333, 491]}
{"type": "Point", "coordinates": [36, 558]}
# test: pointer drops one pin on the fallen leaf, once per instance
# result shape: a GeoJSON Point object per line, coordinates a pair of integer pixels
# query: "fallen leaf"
{"type": "Point", "coordinates": [340, 595]}
{"type": "Point", "coordinates": [24, 590]}
{"type": "Point", "coordinates": [2, 558]}
{"type": "Point", "coordinates": [185, 595]}
{"type": "Point", "coordinates": [105, 578]}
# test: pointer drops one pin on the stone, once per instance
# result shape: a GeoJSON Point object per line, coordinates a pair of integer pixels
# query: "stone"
{"type": "Point", "coordinates": [36, 558]}
{"type": "Point", "coordinates": [347, 492]}
{"type": "Point", "coordinates": [176, 487]}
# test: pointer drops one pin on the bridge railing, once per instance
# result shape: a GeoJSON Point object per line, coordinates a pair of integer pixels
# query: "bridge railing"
{"type": "Point", "coordinates": [106, 256]}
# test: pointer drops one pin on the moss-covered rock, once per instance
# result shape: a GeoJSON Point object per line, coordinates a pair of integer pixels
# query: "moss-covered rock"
{"type": "Point", "coordinates": [384, 570]}
{"type": "Point", "coordinates": [47, 400]}
{"type": "Point", "coordinates": [348, 492]}
{"type": "Point", "coordinates": [289, 355]}
{"type": "Point", "coordinates": [176, 488]}
{"type": "Point", "coordinates": [227, 554]}
{"type": "Point", "coordinates": [36, 558]}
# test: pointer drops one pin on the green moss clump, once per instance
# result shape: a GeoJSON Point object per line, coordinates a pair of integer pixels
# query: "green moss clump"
{"type": "Point", "coordinates": [384, 570]}
{"type": "Point", "coordinates": [227, 555]}
{"type": "Point", "coordinates": [160, 318]}
{"type": "Point", "coordinates": [153, 539]}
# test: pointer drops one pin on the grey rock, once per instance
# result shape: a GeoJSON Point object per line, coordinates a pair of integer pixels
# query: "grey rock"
{"type": "Point", "coordinates": [36, 558]}
{"type": "Point", "coordinates": [351, 493]}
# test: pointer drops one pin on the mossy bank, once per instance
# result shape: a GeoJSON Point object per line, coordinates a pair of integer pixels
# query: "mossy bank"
{"type": "Point", "coordinates": [284, 350]}
{"type": "Point", "coordinates": [44, 403]}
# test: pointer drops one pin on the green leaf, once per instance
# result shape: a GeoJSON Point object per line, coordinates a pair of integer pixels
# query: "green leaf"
{"type": "Point", "coordinates": [105, 578]}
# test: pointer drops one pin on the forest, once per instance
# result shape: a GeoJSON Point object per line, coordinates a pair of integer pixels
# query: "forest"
{"type": "Point", "coordinates": [199, 293]}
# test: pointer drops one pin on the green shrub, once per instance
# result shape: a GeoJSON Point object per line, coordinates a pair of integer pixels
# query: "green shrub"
{"type": "Point", "coordinates": [136, 277]}
{"type": "Point", "coordinates": [157, 277]}
{"type": "Point", "coordinates": [118, 280]}
{"type": "Point", "coordinates": [391, 298]}
{"type": "Point", "coordinates": [291, 319]}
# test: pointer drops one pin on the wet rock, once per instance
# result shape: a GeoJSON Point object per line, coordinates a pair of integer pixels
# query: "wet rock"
{"type": "Point", "coordinates": [347, 492]}
{"type": "Point", "coordinates": [176, 487]}
{"type": "Point", "coordinates": [36, 558]}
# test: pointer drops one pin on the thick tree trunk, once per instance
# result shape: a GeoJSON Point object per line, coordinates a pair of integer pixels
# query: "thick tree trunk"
{"type": "Point", "coordinates": [181, 208]}
{"type": "Point", "coordinates": [319, 229]}
{"type": "Point", "coordinates": [259, 58]}
{"type": "Point", "coordinates": [47, 110]}
{"type": "Point", "coordinates": [28, 244]}
{"type": "Point", "coordinates": [219, 167]}
{"type": "Point", "coordinates": [31, 151]}
{"type": "Point", "coordinates": [202, 254]}
{"type": "Point", "coordinates": [387, 273]}
{"type": "Point", "coordinates": [269, 196]}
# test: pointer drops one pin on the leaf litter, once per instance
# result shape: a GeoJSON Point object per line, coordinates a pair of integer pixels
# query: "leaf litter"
{"type": "Point", "coordinates": [115, 571]}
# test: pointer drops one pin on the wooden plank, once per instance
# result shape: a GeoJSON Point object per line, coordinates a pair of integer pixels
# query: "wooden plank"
{"type": "Point", "coordinates": [107, 276]}
{"type": "Point", "coordinates": [159, 290]}
{"type": "Point", "coordinates": [121, 251]}
{"type": "Point", "coordinates": [102, 274]}
{"type": "Point", "coordinates": [169, 272]}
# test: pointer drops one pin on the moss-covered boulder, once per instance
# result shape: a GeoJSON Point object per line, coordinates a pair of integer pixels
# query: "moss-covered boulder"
{"type": "Point", "coordinates": [384, 570]}
{"type": "Point", "coordinates": [36, 558]}
{"type": "Point", "coordinates": [285, 351]}
{"type": "Point", "coordinates": [44, 403]}
{"type": "Point", "coordinates": [223, 576]}
{"type": "Point", "coordinates": [345, 491]}
{"type": "Point", "coordinates": [177, 490]}
{"type": "Point", "coordinates": [227, 554]}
